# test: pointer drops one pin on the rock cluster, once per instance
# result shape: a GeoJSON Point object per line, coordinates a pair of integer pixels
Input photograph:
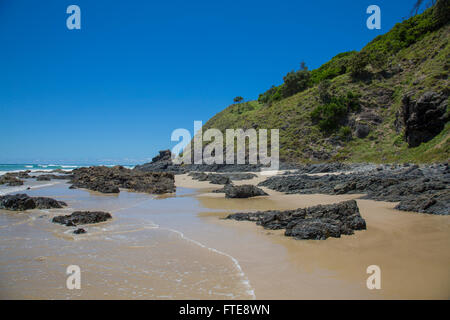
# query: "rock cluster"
{"type": "Point", "coordinates": [10, 180]}
{"type": "Point", "coordinates": [421, 189]}
{"type": "Point", "coordinates": [22, 202]}
{"type": "Point", "coordinates": [109, 180]}
{"type": "Point", "coordinates": [316, 223]}
{"type": "Point", "coordinates": [82, 217]}
{"type": "Point", "coordinates": [163, 163]}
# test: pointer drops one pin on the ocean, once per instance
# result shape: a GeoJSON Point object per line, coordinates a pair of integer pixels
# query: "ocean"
{"type": "Point", "coordinates": [46, 167]}
{"type": "Point", "coordinates": [37, 169]}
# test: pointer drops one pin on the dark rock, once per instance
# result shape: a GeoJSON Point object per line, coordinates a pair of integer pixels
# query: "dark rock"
{"type": "Point", "coordinates": [82, 217]}
{"type": "Point", "coordinates": [22, 202]}
{"type": "Point", "coordinates": [109, 180]}
{"type": "Point", "coordinates": [244, 191]}
{"type": "Point", "coordinates": [437, 203]}
{"type": "Point", "coordinates": [79, 231]}
{"type": "Point", "coordinates": [48, 203]}
{"type": "Point", "coordinates": [214, 178]}
{"type": "Point", "coordinates": [411, 185]}
{"type": "Point", "coordinates": [318, 222]}
{"type": "Point", "coordinates": [48, 177]}
{"type": "Point", "coordinates": [362, 130]}
{"type": "Point", "coordinates": [424, 118]}
{"type": "Point", "coordinates": [10, 179]}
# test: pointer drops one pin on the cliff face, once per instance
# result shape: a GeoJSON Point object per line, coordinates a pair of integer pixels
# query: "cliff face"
{"type": "Point", "coordinates": [387, 103]}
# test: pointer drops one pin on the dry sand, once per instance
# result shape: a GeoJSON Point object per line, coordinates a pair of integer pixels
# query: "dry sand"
{"type": "Point", "coordinates": [412, 250]}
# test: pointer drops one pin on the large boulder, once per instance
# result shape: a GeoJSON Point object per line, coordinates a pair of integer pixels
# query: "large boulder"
{"type": "Point", "coordinates": [317, 223]}
{"type": "Point", "coordinates": [82, 217]}
{"type": "Point", "coordinates": [243, 191]}
{"type": "Point", "coordinates": [22, 202]}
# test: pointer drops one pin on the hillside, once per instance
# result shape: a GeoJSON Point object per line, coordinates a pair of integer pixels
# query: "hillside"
{"type": "Point", "coordinates": [386, 103]}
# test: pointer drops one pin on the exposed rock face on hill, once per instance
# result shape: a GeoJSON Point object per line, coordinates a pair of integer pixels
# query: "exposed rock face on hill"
{"type": "Point", "coordinates": [424, 118]}
{"type": "Point", "coordinates": [109, 180]}
{"type": "Point", "coordinates": [317, 223]}
{"type": "Point", "coordinates": [376, 105]}
{"type": "Point", "coordinates": [422, 189]}
{"type": "Point", "coordinates": [82, 217]}
{"type": "Point", "coordinates": [22, 202]}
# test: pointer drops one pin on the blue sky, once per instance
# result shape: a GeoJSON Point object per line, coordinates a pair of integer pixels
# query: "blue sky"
{"type": "Point", "coordinates": [116, 89]}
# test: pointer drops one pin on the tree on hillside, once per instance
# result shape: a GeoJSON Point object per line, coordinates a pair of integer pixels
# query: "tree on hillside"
{"type": "Point", "coordinates": [238, 99]}
{"type": "Point", "coordinates": [296, 81]}
{"type": "Point", "coordinates": [441, 11]}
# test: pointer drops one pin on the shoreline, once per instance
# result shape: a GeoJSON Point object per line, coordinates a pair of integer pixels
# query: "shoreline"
{"type": "Point", "coordinates": [406, 245]}
{"type": "Point", "coordinates": [384, 225]}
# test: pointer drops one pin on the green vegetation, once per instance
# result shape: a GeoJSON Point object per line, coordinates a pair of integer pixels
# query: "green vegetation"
{"type": "Point", "coordinates": [318, 111]}
{"type": "Point", "coordinates": [329, 116]}
{"type": "Point", "coordinates": [238, 99]}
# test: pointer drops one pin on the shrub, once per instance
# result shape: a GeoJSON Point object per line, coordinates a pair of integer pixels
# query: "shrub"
{"type": "Point", "coordinates": [358, 64]}
{"type": "Point", "coordinates": [238, 99]}
{"type": "Point", "coordinates": [273, 94]}
{"type": "Point", "coordinates": [330, 115]}
{"type": "Point", "coordinates": [345, 133]}
{"type": "Point", "coordinates": [296, 81]}
{"type": "Point", "coordinates": [337, 66]}
{"type": "Point", "coordinates": [323, 90]}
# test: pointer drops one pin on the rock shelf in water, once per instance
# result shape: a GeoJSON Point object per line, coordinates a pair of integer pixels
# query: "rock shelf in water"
{"type": "Point", "coordinates": [22, 202]}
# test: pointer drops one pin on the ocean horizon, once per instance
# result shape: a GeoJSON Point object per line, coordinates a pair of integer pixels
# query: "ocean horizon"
{"type": "Point", "coordinates": [33, 167]}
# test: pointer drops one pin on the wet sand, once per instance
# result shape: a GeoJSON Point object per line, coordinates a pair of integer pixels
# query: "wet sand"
{"type": "Point", "coordinates": [177, 247]}
{"type": "Point", "coordinates": [412, 250]}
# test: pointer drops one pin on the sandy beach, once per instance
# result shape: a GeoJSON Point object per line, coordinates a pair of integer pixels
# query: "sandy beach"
{"type": "Point", "coordinates": [177, 246]}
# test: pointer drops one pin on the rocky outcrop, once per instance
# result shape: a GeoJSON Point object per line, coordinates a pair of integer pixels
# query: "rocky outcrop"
{"type": "Point", "coordinates": [243, 191]}
{"type": "Point", "coordinates": [316, 223]}
{"type": "Point", "coordinates": [82, 217]}
{"type": "Point", "coordinates": [161, 163]}
{"type": "Point", "coordinates": [10, 180]}
{"type": "Point", "coordinates": [211, 177]}
{"type": "Point", "coordinates": [437, 202]}
{"type": "Point", "coordinates": [22, 202]}
{"type": "Point", "coordinates": [424, 118]}
{"type": "Point", "coordinates": [409, 184]}
{"type": "Point", "coordinates": [220, 178]}
{"type": "Point", "coordinates": [109, 180]}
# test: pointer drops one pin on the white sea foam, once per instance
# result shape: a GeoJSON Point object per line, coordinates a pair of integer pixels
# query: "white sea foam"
{"type": "Point", "coordinates": [250, 291]}
{"type": "Point", "coordinates": [4, 190]}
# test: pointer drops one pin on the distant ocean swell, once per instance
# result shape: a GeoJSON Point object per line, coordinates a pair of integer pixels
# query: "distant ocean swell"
{"type": "Point", "coordinates": [4, 168]}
